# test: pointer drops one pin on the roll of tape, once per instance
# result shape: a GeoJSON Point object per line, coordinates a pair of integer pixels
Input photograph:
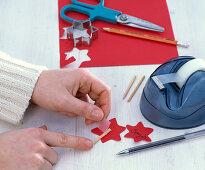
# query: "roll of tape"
{"type": "Point", "coordinates": [181, 76]}
{"type": "Point", "coordinates": [188, 69]}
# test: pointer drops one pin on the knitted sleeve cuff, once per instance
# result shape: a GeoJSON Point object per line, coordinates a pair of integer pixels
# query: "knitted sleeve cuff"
{"type": "Point", "coordinates": [17, 81]}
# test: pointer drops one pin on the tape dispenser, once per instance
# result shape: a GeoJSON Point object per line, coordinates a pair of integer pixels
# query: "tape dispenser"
{"type": "Point", "coordinates": [174, 95]}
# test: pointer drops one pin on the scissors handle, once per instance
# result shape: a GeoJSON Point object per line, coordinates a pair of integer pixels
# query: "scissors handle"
{"type": "Point", "coordinates": [95, 12]}
{"type": "Point", "coordinates": [87, 5]}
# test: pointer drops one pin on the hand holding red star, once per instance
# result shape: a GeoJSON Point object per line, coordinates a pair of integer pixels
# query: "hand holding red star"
{"type": "Point", "coordinates": [114, 134]}
{"type": "Point", "coordinates": [139, 132]}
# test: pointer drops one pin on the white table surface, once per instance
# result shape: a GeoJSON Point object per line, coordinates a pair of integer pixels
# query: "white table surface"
{"type": "Point", "coordinates": [29, 31]}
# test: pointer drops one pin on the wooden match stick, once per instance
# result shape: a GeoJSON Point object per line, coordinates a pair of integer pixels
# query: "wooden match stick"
{"type": "Point", "coordinates": [145, 36]}
{"type": "Point", "coordinates": [130, 85]}
{"type": "Point", "coordinates": [101, 136]}
{"type": "Point", "coordinates": [138, 85]}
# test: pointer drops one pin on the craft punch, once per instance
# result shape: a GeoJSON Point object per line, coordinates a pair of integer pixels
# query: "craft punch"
{"type": "Point", "coordinates": [174, 94]}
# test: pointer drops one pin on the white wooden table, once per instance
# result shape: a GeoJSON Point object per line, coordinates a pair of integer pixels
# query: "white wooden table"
{"type": "Point", "coordinates": [29, 31]}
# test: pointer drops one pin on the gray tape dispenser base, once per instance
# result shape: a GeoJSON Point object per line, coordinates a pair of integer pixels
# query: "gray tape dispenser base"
{"type": "Point", "coordinates": [174, 95]}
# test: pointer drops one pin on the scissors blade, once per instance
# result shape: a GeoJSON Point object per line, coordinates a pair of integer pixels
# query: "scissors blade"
{"type": "Point", "coordinates": [138, 23]}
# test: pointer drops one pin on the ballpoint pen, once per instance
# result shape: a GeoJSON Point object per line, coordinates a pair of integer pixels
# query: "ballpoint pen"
{"type": "Point", "coordinates": [162, 142]}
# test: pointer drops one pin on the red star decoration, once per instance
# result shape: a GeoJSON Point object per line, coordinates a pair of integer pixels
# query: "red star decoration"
{"type": "Point", "coordinates": [114, 134]}
{"type": "Point", "coordinates": [139, 132]}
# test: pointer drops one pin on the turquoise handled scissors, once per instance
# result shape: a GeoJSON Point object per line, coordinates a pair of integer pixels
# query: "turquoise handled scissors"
{"type": "Point", "coordinates": [99, 12]}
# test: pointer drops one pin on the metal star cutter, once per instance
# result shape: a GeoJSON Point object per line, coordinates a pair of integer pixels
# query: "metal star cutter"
{"type": "Point", "coordinates": [82, 33]}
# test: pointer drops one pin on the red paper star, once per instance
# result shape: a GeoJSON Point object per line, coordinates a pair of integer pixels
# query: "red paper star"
{"type": "Point", "coordinates": [139, 132]}
{"type": "Point", "coordinates": [114, 134]}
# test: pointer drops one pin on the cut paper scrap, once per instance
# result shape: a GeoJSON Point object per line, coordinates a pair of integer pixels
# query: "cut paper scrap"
{"type": "Point", "coordinates": [76, 58]}
{"type": "Point", "coordinates": [139, 132]}
{"type": "Point", "coordinates": [116, 50]}
{"type": "Point", "coordinates": [114, 134]}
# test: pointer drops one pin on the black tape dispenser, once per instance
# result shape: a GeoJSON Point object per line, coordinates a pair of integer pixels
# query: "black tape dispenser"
{"type": "Point", "coordinates": [174, 95]}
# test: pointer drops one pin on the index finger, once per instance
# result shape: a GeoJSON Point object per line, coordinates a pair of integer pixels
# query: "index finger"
{"type": "Point", "coordinates": [67, 141]}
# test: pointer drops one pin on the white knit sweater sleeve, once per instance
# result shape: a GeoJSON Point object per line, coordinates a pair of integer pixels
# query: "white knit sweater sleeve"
{"type": "Point", "coordinates": [17, 81]}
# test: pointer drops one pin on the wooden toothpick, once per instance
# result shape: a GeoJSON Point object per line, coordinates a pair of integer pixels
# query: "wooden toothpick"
{"type": "Point", "coordinates": [138, 85]}
{"type": "Point", "coordinates": [130, 85]}
{"type": "Point", "coordinates": [101, 136]}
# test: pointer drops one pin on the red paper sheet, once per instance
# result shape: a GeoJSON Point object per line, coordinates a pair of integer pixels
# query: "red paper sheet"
{"type": "Point", "coordinates": [117, 50]}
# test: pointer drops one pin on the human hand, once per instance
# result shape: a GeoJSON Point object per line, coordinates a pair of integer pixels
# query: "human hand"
{"type": "Point", "coordinates": [31, 148]}
{"type": "Point", "coordinates": [67, 90]}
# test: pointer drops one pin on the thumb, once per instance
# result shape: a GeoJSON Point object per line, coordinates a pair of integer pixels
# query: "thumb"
{"type": "Point", "coordinates": [84, 109]}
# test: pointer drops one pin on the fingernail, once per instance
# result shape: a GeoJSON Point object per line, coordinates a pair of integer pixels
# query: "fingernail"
{"type": "Point", "coordinates": [88, 122]}
{"type": "Point", "coordinates": [97, 115]}
{"type": "Point", "coordinates": [89, 143]}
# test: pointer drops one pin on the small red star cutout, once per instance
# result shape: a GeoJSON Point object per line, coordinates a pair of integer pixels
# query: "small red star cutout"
{"type": "Point", "coordinates": [139, 132]}
{"type": "Point", "coordinates": [114, 134]}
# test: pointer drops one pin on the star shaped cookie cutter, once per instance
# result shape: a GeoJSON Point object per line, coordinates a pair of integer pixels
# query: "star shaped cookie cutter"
{"type": "Point", "coordinates": [82, 33]}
